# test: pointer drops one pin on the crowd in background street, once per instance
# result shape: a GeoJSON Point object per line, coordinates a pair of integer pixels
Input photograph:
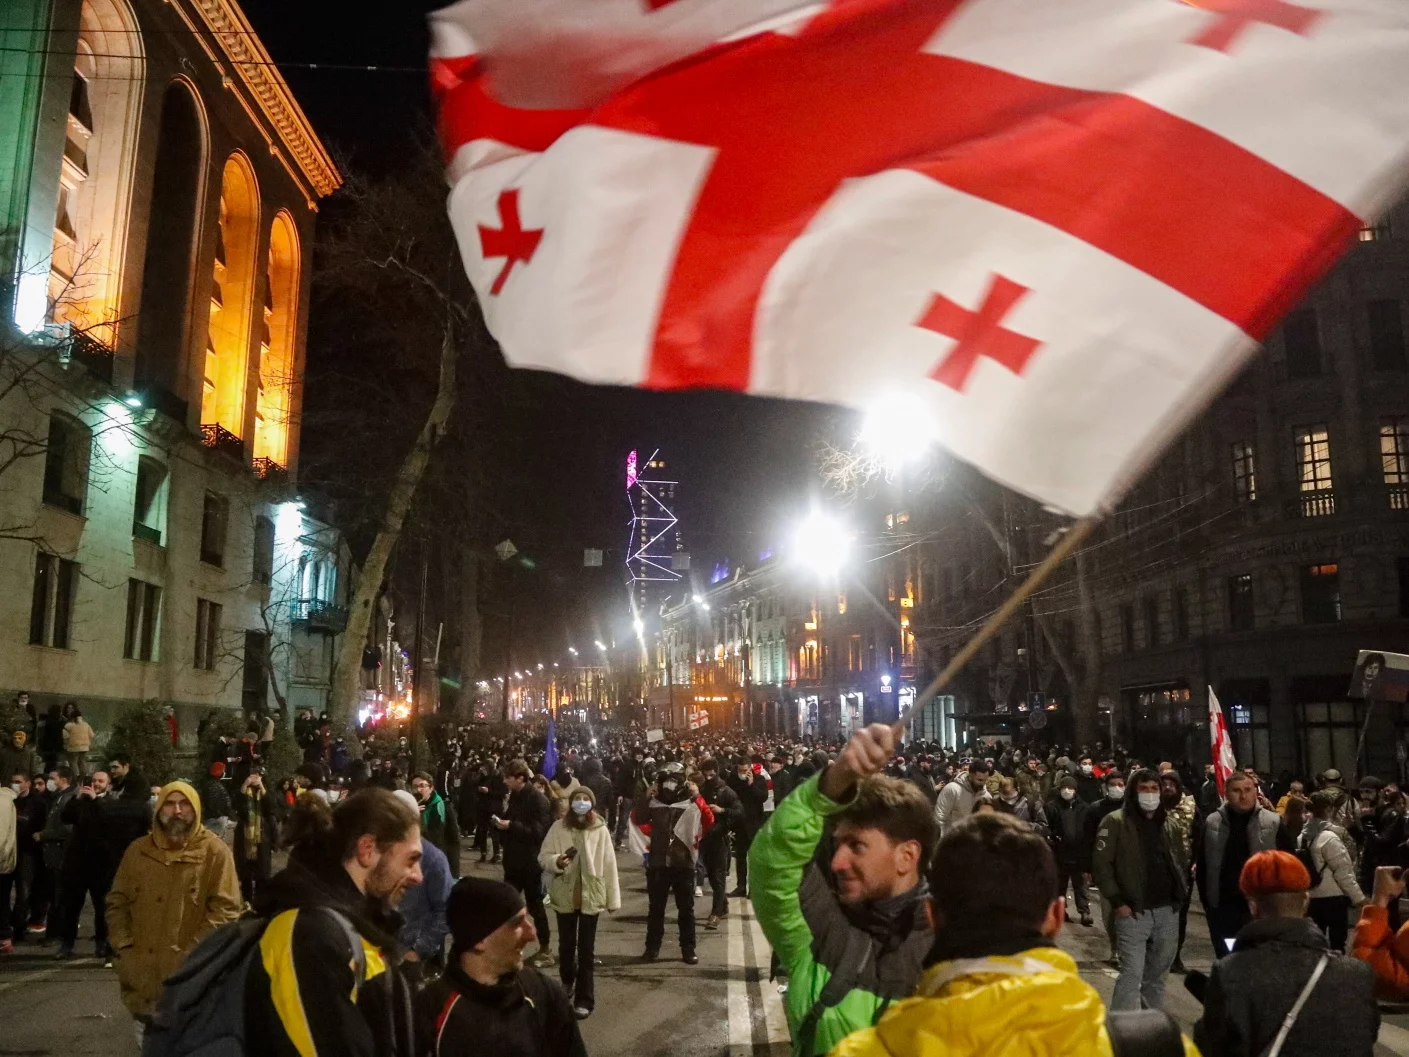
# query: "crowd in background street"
{"type": "Point", "coordinates": [905, 889]}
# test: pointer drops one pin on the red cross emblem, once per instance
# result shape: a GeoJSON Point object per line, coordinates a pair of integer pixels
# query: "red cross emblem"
{"type": "Point", "coordinates": [510, 241]}
{"type": "Point", "coordinates": [1234, 16]}
{"type": "Point", "coordinates": [979, 333]}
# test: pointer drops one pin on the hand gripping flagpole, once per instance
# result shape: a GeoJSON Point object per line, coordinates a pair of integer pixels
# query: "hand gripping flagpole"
{"type": "Point", "coordinates": [1074, 537]}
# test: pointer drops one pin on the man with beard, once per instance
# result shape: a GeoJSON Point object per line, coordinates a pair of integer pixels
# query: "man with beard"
{"type": "Point", "coordinates": [327, 980]}
{"type": "Point", "coordinates": [172, 888]}
{"type": "Point", "coordinates": [848, 923]}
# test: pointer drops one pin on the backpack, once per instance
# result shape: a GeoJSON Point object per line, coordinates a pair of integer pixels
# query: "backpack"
{"type": "Point", "coordinates": [1147, 1033]}
{"type": "Point", "coordinates": [1303, 850]}
{"type": "Point", "coordinates": [201, 1012]}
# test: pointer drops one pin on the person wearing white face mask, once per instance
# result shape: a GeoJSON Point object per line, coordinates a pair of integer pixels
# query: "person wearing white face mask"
{"type": "Point", "coordinates": [580, 859]}
{"type": "Point", "coordinates": [1140, 868]}
{"type": "Point", "coordinates": [1066, 817]}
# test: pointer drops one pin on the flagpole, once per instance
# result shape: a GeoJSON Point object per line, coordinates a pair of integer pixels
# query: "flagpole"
{"type": "Point", "coordinates": [1074, 537]}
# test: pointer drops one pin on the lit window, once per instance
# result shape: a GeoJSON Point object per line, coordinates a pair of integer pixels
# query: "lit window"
{"type": "Point", "coordinates": [1394, 460]}
{"type": "Point", "coordinates": [1376, 232]}
{"type": "Point", "coordinates": [1313, 460]}
{"type": "Point", "coordinates": [1244, 473]}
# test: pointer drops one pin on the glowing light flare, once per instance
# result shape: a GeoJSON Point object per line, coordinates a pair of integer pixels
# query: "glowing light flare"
{"type": "Point", "coordinates": [822, 544]}
{"type": "Point", "coordinates": [898, 429]}
{"type": "Point", "coordinates": [631, 462]}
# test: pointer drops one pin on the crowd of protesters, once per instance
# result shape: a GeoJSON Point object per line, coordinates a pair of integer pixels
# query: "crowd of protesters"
{"type": "Point", "coordinates": [901, 886]}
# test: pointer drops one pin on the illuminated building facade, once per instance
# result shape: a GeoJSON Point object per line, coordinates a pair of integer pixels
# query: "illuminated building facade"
{"type": "Point", "coordinates": [158, 189]}
{"type": "Point", "coordinates": [655, 552]}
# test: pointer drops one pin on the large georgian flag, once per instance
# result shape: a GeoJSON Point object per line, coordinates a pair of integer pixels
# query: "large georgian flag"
{"type": "Point", "coordinates": [1061, 225]}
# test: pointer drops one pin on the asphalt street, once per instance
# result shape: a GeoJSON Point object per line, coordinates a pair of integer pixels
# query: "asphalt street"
{"type": "Point", "coordinates": [723, 1007]}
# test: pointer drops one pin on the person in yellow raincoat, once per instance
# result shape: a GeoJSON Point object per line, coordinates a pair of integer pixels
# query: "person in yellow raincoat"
{"type": "Point", "coordinates": [174, 886]}
{"type": "Point", "coordinates": [995, 980]}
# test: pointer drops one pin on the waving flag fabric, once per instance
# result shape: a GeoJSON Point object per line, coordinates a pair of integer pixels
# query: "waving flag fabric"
{"type": "Point", "coordinates": [1224, 763]}
{"type": "Point", "coordinates": [1060, 227]}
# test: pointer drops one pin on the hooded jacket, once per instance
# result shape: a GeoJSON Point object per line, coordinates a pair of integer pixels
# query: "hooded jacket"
{"type": "Point", "coordinates": [1027, 1004]}
{"type": "Point", "coordinates": [164, 900]}
{"type": "Point", "coordinates": [302, 997]}
{"type": "Point", "coordinates": [879, 949]}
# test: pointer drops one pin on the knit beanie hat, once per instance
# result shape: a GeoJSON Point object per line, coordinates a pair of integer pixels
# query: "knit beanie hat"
{"type": "Point", "coordinates": [1067, 782]}
{"type": "Point", "coordinates": [1271, 872]}
{"type": "Point", "coordinates": [477, 907]}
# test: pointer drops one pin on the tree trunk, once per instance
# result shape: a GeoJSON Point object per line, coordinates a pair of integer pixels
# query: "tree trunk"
{"type": "Point", "coordinates": [347, 674]}
{"type": "Point", "coordinates": [471, 629]}
{"type": "Point", "coordinates": [1084, 696]}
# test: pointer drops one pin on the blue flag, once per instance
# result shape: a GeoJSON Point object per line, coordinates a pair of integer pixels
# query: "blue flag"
{"type": "Point", "coordinates": [550, 755]}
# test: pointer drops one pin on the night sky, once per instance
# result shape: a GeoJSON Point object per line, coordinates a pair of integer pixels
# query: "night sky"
{"type": "Point", "coordinates": [745, 466]}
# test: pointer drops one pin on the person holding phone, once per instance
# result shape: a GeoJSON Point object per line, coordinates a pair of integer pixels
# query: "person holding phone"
{"type": "Point", "coordinates": [578, 854]}
{"type": "Point", "coordinates": [1377, 944]}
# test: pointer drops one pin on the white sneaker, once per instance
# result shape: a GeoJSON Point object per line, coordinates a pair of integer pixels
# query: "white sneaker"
{"type": "Point", "coordinates": [698, 890]}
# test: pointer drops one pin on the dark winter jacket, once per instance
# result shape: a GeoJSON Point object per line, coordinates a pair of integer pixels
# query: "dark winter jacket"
{"type": "Point", "coordinates": [529, 816]}
{"type": "Point", "coordinates": [752, 796]}
{"type": "Point", "coordinates": [602, 791]}
{"type": "Point", "coordinates": [1120, 866]}
{"type": "Point", "coordinates": [1066, 821]}
{"type": "Point", "coordinates": [1251, 991]}
{"type": "Point", "coordinates": [717, 794]}
{"type": "Point", "coordinates": [56, 830]}
{"type": "Point", "coordinates": [525, 1015]}
{"type": "Point", "coordinates": [303, 989]}
{"type": "Point", "coordinates": [127, 813]}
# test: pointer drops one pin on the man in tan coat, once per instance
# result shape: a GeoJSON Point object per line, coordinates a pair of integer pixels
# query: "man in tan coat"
{"type": "Point", "coordinates": [173, 887]}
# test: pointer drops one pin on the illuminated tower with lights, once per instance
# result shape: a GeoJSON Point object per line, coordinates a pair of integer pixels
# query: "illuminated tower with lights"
{"type": "Point", "coordinates": [655, 554]}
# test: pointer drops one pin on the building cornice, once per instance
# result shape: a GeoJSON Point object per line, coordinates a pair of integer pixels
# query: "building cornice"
{"type": "Point", "coordinates": [247, 56]}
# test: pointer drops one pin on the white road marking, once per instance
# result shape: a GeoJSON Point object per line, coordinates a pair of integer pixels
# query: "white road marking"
{"type": "Point", "coordinates": [1394, 1039]}
{"type": "Point", "coordinates": [773, 1014]}
{"type": "Point", "coordinates": [740, 1018]}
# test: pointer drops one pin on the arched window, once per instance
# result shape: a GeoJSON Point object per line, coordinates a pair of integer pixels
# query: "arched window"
{"type": "Point", "coordinates": [171, 236]}
{"type": "Point", "coordinates": [227, 358]}
{"type": "Point", "coordinates": [277, 337]}
{"type": "Point", "coordinates": [95, 184]}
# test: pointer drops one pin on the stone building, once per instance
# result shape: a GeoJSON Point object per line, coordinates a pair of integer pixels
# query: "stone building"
{"type": "Point", "coordinates": [157, 201]}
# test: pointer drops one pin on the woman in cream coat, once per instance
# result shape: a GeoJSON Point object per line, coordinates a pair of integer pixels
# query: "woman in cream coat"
{"type": "Point", "coordinates": [580, 862]}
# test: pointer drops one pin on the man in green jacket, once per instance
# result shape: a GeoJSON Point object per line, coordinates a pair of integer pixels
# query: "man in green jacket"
{"type": "Point", "coordinates": [1140, 868]}
{"type": "Point", "coordinates": [438, 822]}
{"type": "Point", "coordinates": [849, 925]}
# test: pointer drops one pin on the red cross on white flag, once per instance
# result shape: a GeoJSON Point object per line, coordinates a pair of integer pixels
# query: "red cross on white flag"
{"type": "Point", "coordinates": [1062, 225]}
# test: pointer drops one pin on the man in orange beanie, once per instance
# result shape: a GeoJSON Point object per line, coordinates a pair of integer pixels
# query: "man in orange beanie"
{"type": "Point", "coordinates": [1281, 963]}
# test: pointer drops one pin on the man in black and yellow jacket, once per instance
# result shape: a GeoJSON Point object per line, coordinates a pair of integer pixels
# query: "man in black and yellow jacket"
{"type": "Point", "coordinates": [326, 982]}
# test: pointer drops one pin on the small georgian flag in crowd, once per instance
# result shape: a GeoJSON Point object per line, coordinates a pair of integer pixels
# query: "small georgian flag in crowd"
{"type": "Point", "coordinates": [1224, 763]}
{"type": "Point", "coordinates": [1058, 227]}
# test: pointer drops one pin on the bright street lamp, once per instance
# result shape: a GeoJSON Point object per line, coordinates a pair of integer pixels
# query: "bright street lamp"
{"type": "Point", "coordinates": [822, 544]}
{"type": "Point", "coordinates": [898, 429]}
{"type": "Point", "coordinates": [572, 651]}
{"type": "Point", "coordinates": [640, 627]}
{"type": "Point", "coordinates": [601, 646]}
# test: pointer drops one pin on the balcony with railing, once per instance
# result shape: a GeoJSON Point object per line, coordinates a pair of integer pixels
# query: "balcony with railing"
{"type": "Point", "coordinates": [92, 355]}
{"type": "Point", "coordinates": [269, 470]}
{"type": "Point", "coordinates": [218, 438]}
{"type": "Point", "coordinates": [320, 616]}
{"type": "Point", "coordinates": [1318, 504]}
